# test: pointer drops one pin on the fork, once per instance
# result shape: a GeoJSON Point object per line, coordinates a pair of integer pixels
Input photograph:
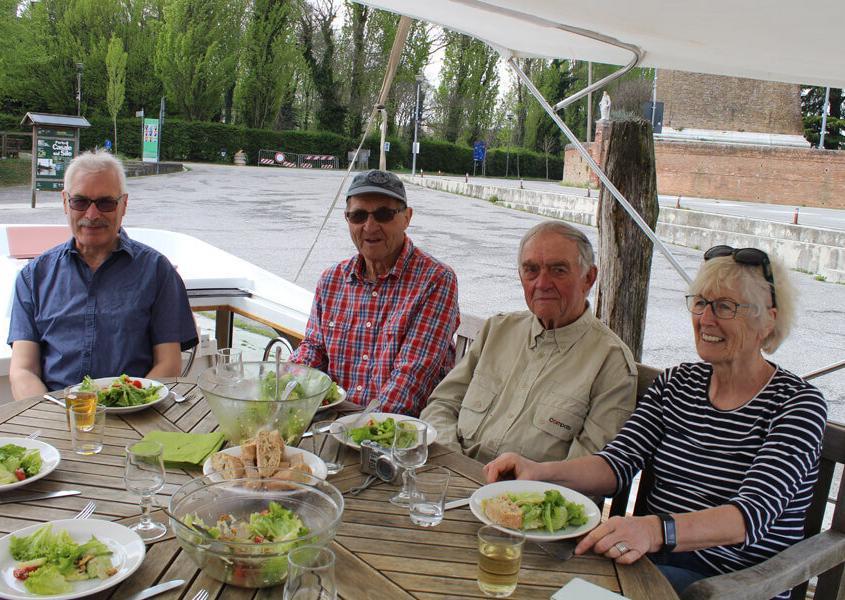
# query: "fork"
{"type": "Point", "coordinates": [87, 511]}
{"type": "Point", "coordinates": [201, 595]}
{"type": "Point", "coordinates": [34, 434]}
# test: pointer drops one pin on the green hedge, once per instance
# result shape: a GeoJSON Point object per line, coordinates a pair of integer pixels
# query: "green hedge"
{"type": "Point", "coordinates": [203, 142]}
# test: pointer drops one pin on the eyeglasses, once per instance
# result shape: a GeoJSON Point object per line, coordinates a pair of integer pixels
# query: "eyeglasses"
{"type": "Point", "coordinates": [747, 256]}
{"type": "Point", "coordinates": [381, 215]}
{"type": "Point", "coordinates": [722, 307]}
{"type": "Point", "coordinates": [106, 204]}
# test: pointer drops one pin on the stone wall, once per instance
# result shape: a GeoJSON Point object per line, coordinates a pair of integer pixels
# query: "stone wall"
{"type": "Point", "coordinates": [698, 101]}
{"type": "Point", "coordinates": [802, 176]}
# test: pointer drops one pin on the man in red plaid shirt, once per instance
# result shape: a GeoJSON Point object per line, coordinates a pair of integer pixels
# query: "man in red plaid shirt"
{"type": "Point", "coordinates": [383, 321]}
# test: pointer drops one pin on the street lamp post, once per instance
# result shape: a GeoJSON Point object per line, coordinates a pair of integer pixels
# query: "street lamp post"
{"type": "Point", "coordinates": [416, 147]}
{"type": "Point", "coordinates": [509, 117]}
{"type": "Point", "coordinates": [79, 67]}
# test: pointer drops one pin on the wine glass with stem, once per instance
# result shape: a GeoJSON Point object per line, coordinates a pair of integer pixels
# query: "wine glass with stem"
{"type": "Point", "coordinates": [144, 475]}
{"type": "Point", "coordinates": [409, 450]}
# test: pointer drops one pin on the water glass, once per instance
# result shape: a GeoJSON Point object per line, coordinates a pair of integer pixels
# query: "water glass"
{"type": "Point", "coordinates": [328, 442]}
{"type": "Point", "coordinates": [310, 574]}
{"type": "Point", "coordinates": [229, 362]}
{"type": "Point", "coordinates": [74, 397]}
{"type": "Point", "coordinates": [144, 475]}
{"type": "Point", "coordinates": [409, 450]}
{"type": "Point", "coordinates": [428, 496]}
{"type": "Point", "coordinates": [87, 424]}
{"type": "Point", "coordinates": [499, 557]}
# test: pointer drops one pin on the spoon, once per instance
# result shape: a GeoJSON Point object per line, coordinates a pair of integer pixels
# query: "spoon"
{"type": "Point", "coordinates": [178, 398]}
{"type": "Point", "coordinates": [54, 400]}
{"type": "Point", "coordinates": [288, 389]}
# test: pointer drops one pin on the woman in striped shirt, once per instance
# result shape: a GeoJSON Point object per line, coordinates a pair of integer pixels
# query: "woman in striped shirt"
{"type": "Point", "coordinates": [734, 440]}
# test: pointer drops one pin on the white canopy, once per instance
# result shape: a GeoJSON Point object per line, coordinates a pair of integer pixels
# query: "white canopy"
{"type": "Point", "coordinates": [777, 40]}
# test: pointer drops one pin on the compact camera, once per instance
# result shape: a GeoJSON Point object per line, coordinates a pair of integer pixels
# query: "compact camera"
{"type": "Point", "coordinates": [375, 460]}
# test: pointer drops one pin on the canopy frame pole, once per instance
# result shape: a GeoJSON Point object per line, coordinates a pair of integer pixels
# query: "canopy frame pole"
{"type": "Point", "coordinates": [511, 60]}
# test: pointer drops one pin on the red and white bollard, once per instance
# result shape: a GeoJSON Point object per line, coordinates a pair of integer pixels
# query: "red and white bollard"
{"type": "Point", "coordinates": [795, 216]}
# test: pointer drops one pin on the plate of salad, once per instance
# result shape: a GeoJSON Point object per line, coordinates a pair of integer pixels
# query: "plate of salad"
{"type": "Point", "coordinates": [543, 511]}
{"type": "Point", "coordinates": [334, 396]}
{"type": "Point", "coordinates": [70, 558]}
{"type": "Point", "coordinates": [379, 427]}
{"type": "Point", "coordinates": [124, 394]}
{"type": "Point", "coordinates": [23, 461]}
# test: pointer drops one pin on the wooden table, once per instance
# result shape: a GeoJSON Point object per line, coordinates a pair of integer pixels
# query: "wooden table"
{"type": "Point", "coordinates": [380, 553]}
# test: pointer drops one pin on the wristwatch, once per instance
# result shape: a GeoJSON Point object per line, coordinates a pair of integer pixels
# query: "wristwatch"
{"type": "Point", "coordinates": [670, 539]}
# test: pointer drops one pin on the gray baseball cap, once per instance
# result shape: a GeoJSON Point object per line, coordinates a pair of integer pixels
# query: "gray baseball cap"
{"type": "Point", "coordinates": [377, 182]}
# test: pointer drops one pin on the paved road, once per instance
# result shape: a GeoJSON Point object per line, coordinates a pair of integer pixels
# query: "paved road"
{"type": "Point", "coordinates": [812, 217]}
{"type": "Point", "coordinates": [270, 217]}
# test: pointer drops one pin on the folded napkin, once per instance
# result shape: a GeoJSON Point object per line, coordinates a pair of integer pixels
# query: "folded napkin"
{"type": "Point", "coordinates": [190, 449]}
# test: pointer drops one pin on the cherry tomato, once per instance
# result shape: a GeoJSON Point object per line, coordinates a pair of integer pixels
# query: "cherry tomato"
{"type": "Point", "coordinates": [19, 473]}
{"type": "Point", "coordinates": [23, 573]}
{"type": "Point", "coordinates": [258, 539]}
{"type": "Point", "coordinates": [138, 384]}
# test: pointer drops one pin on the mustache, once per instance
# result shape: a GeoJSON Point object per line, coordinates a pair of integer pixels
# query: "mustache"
{"type": "Point", "coordinates": [85, 222]}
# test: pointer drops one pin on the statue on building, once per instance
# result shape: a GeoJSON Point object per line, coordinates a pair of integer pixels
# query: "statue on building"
{"type": "Point", "coordinates": [604, 106]}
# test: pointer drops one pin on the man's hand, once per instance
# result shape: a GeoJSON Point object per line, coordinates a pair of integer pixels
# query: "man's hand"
{"type": "Point", "coordinates": [511, 466]}
{"type": "Point", "coordinates": [636, 535]}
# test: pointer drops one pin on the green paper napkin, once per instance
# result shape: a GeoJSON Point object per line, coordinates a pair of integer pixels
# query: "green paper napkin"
{"type": "Point", "coordinates": [186, 448]}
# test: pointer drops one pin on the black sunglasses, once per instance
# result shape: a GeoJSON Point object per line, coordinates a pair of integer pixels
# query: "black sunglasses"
{"type": "Point", "coordinates": [381, 215]}
{"type": "Point", "coordinates": [747, 256]}
{"type": "Point", "coordinates": [106, 204]}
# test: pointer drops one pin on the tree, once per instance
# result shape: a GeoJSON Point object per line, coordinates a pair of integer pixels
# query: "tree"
{"type": "Point", "coordinates": [196, 54]}
{"type": "Point", "coordinates": [116, 68]}
{"type": "Point", "coordinates": [269, 58]}
{"type": "Point", "coordinates": [812, 105]}
{"type": "Point", "coordinates": [318, 49]}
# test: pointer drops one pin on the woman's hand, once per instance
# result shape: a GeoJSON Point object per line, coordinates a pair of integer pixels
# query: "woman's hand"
{"type": "Point", "coordinates": [635, 535]}
{"type": "Point", "coordinates": [512, 466]}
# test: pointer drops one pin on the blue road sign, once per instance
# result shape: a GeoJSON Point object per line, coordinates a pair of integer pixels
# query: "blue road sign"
{"type": "Point", "coordinates": [479, 150]}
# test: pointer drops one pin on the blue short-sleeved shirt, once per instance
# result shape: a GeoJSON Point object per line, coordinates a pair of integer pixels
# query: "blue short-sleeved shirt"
{"type": "Point", "coordinates": [100, 323]}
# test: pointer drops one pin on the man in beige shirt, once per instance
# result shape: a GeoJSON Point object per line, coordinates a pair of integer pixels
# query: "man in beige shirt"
{"type": "Point", "coordinates": [550, 383]}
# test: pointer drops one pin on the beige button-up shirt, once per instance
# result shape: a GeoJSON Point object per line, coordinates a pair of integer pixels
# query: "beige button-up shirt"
{"type": "Point", "coordinates": [546, 394]}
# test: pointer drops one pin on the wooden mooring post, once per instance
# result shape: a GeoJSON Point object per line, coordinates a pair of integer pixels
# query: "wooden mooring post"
{"type": "Point", "coordinates": [624, 251]}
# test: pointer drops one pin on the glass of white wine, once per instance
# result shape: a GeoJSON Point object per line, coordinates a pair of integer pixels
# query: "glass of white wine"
{"type": "Point", "coordinates": [499, 559]}
{"type": "Point", "coordinates": [144, 475]}
{"type": "Point", "coordinates": [409, 450]}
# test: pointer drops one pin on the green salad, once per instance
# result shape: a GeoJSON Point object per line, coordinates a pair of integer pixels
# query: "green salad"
{"type": "Point", "coordinates": [268, 389]}
{"type": "Point", "coordinates": [272, 531]}
{"type": "Point", "coordinates": [382, 433]}
{"type": "Point", "coordinates": [549, 510]}
{"type": "Point", "coordinates": [123, 391]}
{"type": "Point", "coordinates": [18, 463]}
{"type": "Point", "coordinates": [48, 562]}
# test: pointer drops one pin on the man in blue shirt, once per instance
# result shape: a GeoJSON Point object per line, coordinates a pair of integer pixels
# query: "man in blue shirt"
{"type": "Point", "coordinates": [100, 304]}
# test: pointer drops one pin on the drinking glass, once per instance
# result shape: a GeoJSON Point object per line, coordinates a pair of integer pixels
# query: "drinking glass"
{"type": "Point", "coordinates": [409, 450]}
{"type": "Point", "coordinates": [144, 476]}
{"type": "Point", "coordinates": [499, 557]}
{"type": "Point", "coordinates": [310, 574]}
{"type": "Point", "coordinates": [75, 398]}
{"type": "Point", "coordinates": [87, 424]}
{"type": "Point", "coordinates": [428, 495]}
{"type": "Point", "coordinates": [328, 442]}
{"type": "Point", "coordinates": [229, 362]}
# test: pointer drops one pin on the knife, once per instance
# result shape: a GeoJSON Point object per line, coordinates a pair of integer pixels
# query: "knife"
{"type": "Point", "coordinates": [157, 589]}
{"type": "Point", "coordinates": [562, 550]}
{"type": "Point", "coordinates": [456, 503]}
{"type": "Point", "coordinates": [28, 496]}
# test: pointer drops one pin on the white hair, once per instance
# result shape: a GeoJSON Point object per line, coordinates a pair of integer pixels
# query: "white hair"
{"type": "Point", "coordinates": [95, 161]}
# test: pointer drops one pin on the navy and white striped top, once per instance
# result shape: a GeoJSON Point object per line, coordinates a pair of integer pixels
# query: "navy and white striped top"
{"type": "Point", "coordinates": [762, 457]}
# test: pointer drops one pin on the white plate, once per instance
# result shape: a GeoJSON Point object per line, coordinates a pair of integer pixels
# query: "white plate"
{"type": "Point", "coordinates": [342, 393]}
{"type": "Point", "coordinates": [50, 459]}
{"type": "Point", "coordinates": [128, 554]}
{"type": "Point", "coordinates": [500, 487]}
{"type": "Point", "coordinates": [360, 419]}
{"type": "Point", "coordinates": [318, 467]}
{"type": "Point", "coordinates": [105, 382]}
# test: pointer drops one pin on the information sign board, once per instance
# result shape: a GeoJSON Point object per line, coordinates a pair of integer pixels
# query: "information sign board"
{"type": "Point", "coordinates": [55, 148]}
{"type": "Point", "coordinates": [151, 138]}
{"type": "Point", "coordinates": [479, 150]}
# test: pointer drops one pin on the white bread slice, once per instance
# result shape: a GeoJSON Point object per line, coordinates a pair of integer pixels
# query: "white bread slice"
{"type": "Point", "coordinates": [230, 466]}
{"type": "Point", "coordinates": [502, 511]}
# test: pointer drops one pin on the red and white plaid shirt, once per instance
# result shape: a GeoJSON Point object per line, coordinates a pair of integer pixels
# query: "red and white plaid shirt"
{"type": "Point", "coordinates": [392, 338]}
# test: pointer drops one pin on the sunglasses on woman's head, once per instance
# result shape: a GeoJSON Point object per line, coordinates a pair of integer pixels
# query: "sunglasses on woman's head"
{"type": "Point", "coordinates": [381, 215]}
{"type": "Point", "coordinates": [747, 256]}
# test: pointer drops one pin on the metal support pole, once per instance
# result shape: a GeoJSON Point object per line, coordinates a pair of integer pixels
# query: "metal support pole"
{"type": "Point", "coordinates": [654, 101]}
{"type": "Point", "coordinates": [382, 159]}
{"type": "Point", "coordinates": [824, 117]}
{"type": "Point", "coordinates": [597, 170]}
{"type": "Point", "coordinates": [589, 103]}
{"type": "Point", "coordinates": [79, 67]}
{"type": "Point", "coordinates": [415, 147]}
